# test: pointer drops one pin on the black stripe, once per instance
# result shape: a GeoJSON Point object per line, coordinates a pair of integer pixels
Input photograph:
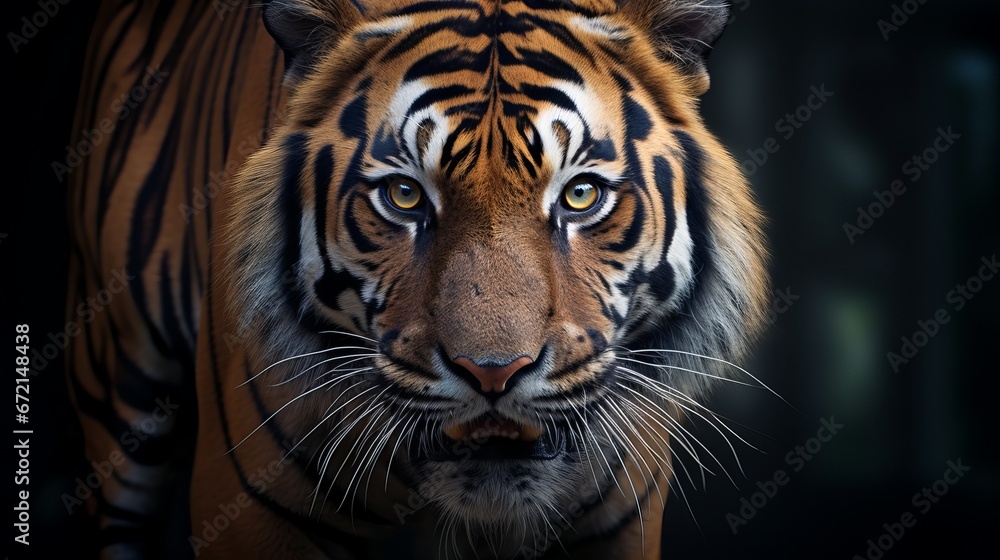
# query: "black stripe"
{"type": "Point", "coordinates": [556, 5]}
{"type": "Point", "coordinates": [550, 65]}
{"type": "Point", "coordinates": [476, 108]}
{"type": "Point", "coordinates": [136, 390]}
{"type": "Point", "coordinates": [528, 131]}
{"type": "Point", "coordinates": [323, 171]}
{"type": "Point", "coordinates": [603, 150]}
{"type": "Point", "coordinates": [232, 93]}
{"type": "Point", "coordinates": [451, 161]}
{"type": "Point", "coordinates": [549, 95]}
{"type": "Point", "coordinates": [154, 41]}
{"type": "Point", "coordinates": [384, 147]}
{"type": "Point", "coordinates": [561, 33]}
{"type": "Point", "coordinates": [290, 207]}
{"type": "Point", "coordinates": [107, 182]}
{"type": "Point", "coordinates": [463, 26]}
{"type": "Point", "coordinates": [613, 264]}
{"type": "Point", "coordinates": [265, 127]}
{"type": "Point", "coordinates": [353, 124]}
{"type": "Point", "coordinates": [633, 234]}
{"type": "Point", "coordinates": [448, 60]}
{"type": "Point", "coordinates": [630, 515]}
{"type": "Point", "coordinates": [135, 387]}
{"type": "Point", "coordinates": [663, 176]}
{"type": "Point", "coordinates": [361, 242]}
{"type": "Point", "coordinates": [437, 95]}
{"type": "Point", "coordinates": [331, 284]}
{"type": "Point", "coordinates": [147, 218]}
{"type": "Point", "coordinates": [354, 118]}
{"type": "Point", "coordinates": [433, 6]}
{"type": "Point", "coordinates": [661, 278]}
{"type": "Point", "coordinates": [697, 198]}
{"type": "Point", "coordinates": [188, 260]}
{"type": "Point", "coordinates": [169, 319]}
{"type": "Point", "coordinates": [456, 159]}
{"type": "Point", "coordinates": [121, 137]}
{"type": "Point", "coordinates": [637, 122]}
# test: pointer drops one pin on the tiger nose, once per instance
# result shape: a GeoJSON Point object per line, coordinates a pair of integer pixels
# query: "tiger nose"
{"type": "Point", "coordinates": [492, 377]}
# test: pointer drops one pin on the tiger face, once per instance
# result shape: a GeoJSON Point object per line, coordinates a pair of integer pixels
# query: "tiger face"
{"type": "Point", "coordinates": [506, 202]}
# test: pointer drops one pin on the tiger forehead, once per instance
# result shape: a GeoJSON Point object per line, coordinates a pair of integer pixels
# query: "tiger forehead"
{"type": "Point", "coordinates": [478, 82]}
{"type": "Point", "coordinates": [491, 8]}
{"type": "Point", "coordinates": [500, 54]}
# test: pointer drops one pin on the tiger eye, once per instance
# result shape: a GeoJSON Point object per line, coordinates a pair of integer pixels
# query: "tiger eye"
{"type": "Point", "coordinates": [405, 195]}
{"type": "Point", "coordinates": [580, 196]}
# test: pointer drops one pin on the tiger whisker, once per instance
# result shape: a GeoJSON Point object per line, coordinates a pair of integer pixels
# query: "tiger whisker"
{"type": "Point", "coordinates": [296, 357]}
{"type": "Point", "coordinates": [711, 422]}
{"type": "Point", "coordinates": [372, 403]}
{"type": "Point", "coordinates": [361, 438]}
{"type": "Point", "coordinates": [368, 458]}
{"type": "Point", "coordinates": [356, 358]}
{"type": "Point", "coordinates": [392, 454]}
{"type": "Point", "coordinates": [681, 404]}
{"type": "Point", "coordinates": [681, 434]}
{"type": "Point", "coordinates": [548, 524]}
{"type": "Point", "coordinates": [674, 393]}
{"type": "Point", "coordinates": [681, 438]}
{"type": "Point", "coordinates": [382, 443]}
{"type": "Point", "coordinates": [342, 433]}
{"type": "Point", "coordinates": [598, 449]}
{"type": "Point", "coordinates": [618, 412]}
{"type": "Point", "coordinates": [696, 372]}
{"type": "Point", "coordinates": [602, 424]}
{"type": "Point", "coordinates": [328, 414]}
{"type": "Point", "coordinates": [348, 333]}
{"type": "Point", "coordinates": [667, 465]}
{"type": "Point", "coordinates": [332, 440]}
{"type": "Point", "coordinates": [720, 360]}
{"type": "Point", "coordinates": [573, 427]}
{"type": "Point", "coordinates": [330, 382]}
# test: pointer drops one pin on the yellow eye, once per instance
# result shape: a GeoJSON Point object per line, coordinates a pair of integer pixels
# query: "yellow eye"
{"type": "Point", "coordinates": [580, 195]}
{"type": "Point", "coordinates": [405, 194]}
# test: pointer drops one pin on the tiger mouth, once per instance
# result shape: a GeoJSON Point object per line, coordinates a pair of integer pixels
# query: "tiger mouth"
{"type": "Point", "coordinates": [491, 438]}
{"type": "Point", "coordinates": [487, 426]}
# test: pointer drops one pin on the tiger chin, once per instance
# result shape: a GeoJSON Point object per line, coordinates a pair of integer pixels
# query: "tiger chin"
{"type": "Point", "coordinates": [489, 264]}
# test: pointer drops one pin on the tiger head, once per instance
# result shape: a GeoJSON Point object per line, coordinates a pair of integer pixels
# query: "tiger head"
{"type": "Point", "coordinates": [515, 206]}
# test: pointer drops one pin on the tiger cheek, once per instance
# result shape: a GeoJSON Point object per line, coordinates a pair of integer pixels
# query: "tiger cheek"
{"type": "Point", "coordinates": [365, 229]}
{"type": "Point", "coordinates": [605, 255]}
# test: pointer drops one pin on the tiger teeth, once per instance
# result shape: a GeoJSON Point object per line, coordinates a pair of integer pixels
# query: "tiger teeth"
{"type": "Point", "coordinates": [463, 432]}
{"type": "Point", "coordinates": [530, 433]}
{"type": "Point", "coordinates": [457, 432]}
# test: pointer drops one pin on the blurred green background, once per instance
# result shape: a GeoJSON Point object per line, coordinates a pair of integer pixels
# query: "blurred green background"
{"type": "Point", "coordinates": [843, 301]}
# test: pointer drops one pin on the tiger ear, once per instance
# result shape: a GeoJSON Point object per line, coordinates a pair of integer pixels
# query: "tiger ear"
{"type": "Point", "coordinates": [304, 29]}
{"type": "Point", "coordinates": [682, 31]}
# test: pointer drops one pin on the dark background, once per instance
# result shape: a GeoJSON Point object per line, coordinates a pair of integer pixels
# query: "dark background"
{"type": "Point", "coordinates": [826, 353]}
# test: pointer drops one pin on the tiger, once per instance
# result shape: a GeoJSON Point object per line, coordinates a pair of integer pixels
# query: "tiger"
{"type": "Point", "coordinates": [404, 278]}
